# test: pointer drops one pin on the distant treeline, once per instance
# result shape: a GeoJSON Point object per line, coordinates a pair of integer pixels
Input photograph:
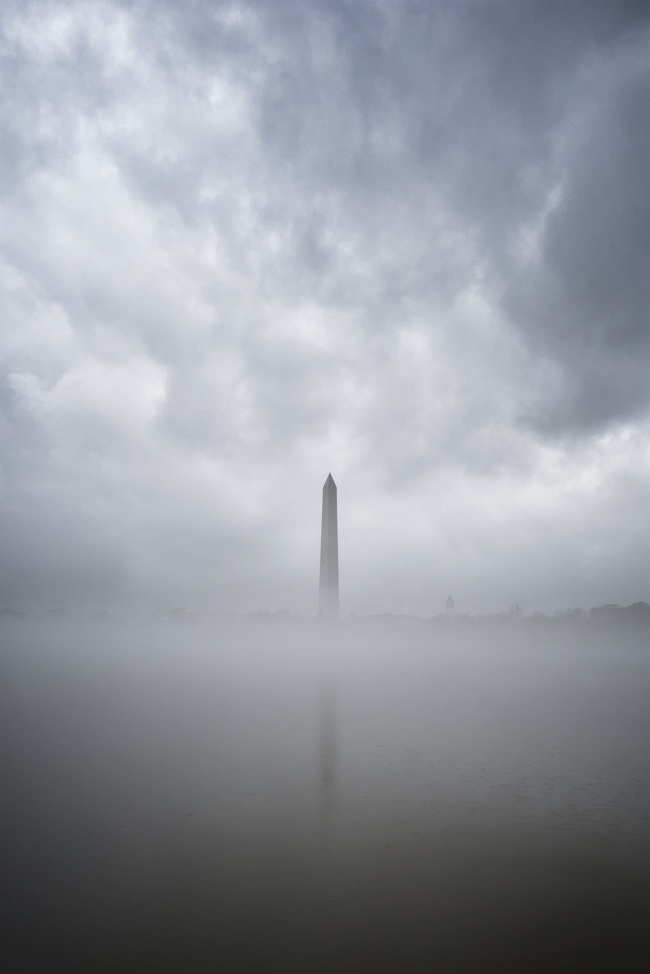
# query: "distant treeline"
{"type": "Point", "coordinates": [637, 615]}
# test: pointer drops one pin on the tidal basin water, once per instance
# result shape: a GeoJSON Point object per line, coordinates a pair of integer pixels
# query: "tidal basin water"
{"type": "Point", "coordinates": [258, 797]}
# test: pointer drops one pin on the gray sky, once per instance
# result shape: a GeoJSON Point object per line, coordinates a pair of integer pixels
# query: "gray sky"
{"type": "Point", "coordinates": [247, 244]}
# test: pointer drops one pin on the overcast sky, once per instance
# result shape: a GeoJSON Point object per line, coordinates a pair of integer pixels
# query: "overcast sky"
{"type": "Point", "coordinates": [247, 244]}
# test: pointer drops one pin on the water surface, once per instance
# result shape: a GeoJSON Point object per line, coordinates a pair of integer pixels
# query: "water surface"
{"type": "Point", "coordinates": [240, 797]}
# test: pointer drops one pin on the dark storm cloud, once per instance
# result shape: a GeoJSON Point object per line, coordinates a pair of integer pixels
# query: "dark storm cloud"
{"type": "Point", "coordinates": [493, 106]}
{"type": "Point", "coordinates": [588, 301]}
{"type": "Point", "coordinates": [245, 244]}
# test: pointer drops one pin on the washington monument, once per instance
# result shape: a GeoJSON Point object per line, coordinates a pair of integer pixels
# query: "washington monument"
{"type": "Point", "coordinates": [328, 604]}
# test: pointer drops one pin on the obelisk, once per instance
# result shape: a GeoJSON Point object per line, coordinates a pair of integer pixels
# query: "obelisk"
{"type": "Point", "coordinates": [329, 553]}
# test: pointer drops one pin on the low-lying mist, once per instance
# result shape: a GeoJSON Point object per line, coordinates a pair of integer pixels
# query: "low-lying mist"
{"type": "Point", "coordinates": [265, 796]}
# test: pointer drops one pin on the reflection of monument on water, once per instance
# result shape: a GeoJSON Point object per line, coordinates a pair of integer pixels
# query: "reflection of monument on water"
{"type": "Point", "coordinates": [328, 603]}
{"type": "Point", "coordinates": [327, 753]}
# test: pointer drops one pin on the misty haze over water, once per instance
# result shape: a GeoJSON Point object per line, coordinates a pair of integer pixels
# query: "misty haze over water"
{"type": "Point", "coordinates": [287, 796]}
{"type": "Point", "coordinates": [244, 243]}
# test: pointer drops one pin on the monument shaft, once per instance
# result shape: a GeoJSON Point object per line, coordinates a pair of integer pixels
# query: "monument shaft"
{"type": "Point", "coordinates": [329, 553]}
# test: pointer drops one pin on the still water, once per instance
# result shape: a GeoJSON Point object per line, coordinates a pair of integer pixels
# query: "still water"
{"type": "Point", "coordinates": [261, 798]}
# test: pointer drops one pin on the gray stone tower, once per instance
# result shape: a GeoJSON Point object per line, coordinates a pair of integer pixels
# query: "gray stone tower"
{"type": "Point", "coordinates": [328, 604]}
